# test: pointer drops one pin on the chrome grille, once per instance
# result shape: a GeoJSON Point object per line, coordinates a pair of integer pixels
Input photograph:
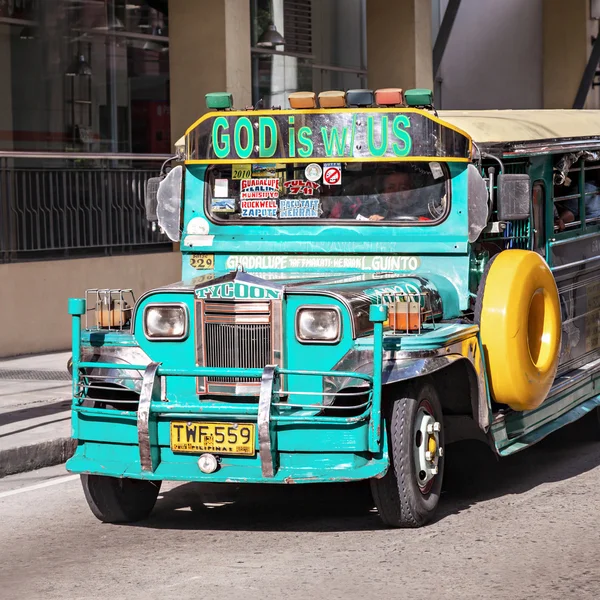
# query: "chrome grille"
{"type": "Point", "coordinates": [235, 335]}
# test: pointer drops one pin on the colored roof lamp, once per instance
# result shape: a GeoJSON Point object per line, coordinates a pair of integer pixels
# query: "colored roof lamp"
{"type": "Point", "coordinates": [332, 99]}
{"type": "Point", "coordinates": [419, 97]}
{"type": "Point", "coordinates": [389, 97]}
{"type": "Point", "coordinates": [219, 101]}
{"type": "Point", "coordinates": [359, 97]}
{"type": "Point", "coordinates": [303, 100]}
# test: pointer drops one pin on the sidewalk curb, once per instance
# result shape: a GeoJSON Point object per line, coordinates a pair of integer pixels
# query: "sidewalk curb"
{"type": "Point", "coordinates": [36, 456]}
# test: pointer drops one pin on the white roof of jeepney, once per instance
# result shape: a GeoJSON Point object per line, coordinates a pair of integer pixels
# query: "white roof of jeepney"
{"type": "Point", "coordinates": [489, 126]}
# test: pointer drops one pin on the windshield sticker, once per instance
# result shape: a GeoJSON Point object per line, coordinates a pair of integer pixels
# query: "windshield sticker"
{"type": "Point", "coordinates": [299, 209]}
{"type": "Point", "coordinates": [313, 172]}
{"type": "Point", "coordinates": [259, 209]}
{"type": "Point", "coordinates": [287, 261]}
{"type": "Point", "coordinates": [221, 188]}
{"type": "Point", "coordinates": [223, 205]}
{"type": "Point", "coordinates": [255, 189]}
{"type": "Point", "coordinates": [241, 172]}
{"type": "Point", "coordinates": [332, 174]}
{"type": "Point", "coordinates": [436, 170]}
{"type": "Point", "coordinates": [264, 170]}
{"type": "Point", "coordinates": [297, 186]}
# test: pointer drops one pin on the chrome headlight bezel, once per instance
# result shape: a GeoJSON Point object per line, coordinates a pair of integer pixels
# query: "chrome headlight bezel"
{"type": "Point", "coordinates": [322, 308]}
{"type": "Point", "coordinates": [166, 305]}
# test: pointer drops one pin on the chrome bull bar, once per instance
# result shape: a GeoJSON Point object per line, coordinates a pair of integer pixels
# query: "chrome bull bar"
{"type": "Point", "coordinates": [153, 402]}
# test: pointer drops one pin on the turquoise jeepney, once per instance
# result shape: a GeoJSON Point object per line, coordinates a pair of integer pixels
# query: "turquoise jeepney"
{"type": "Point", "coordinates": [362, 284]}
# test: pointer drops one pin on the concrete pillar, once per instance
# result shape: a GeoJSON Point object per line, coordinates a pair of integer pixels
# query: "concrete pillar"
{"type": "Point", "coordinates": [567, 31]}
{"type": "Point", "coordinates": [209, 52]}
{"type": "Point", "coordinates": [399, 44]}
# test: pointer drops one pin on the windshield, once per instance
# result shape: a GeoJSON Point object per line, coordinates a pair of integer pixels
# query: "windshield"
{"type": "Point", "coordinates": [404, 193]}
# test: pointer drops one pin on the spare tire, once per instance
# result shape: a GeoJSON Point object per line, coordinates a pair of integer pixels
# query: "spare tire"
{"type": "Point", "coordinates": [518, 313]}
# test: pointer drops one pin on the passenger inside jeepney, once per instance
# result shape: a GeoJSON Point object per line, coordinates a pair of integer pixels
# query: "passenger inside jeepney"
{"type": "Point", "coordinates": [389, 194]}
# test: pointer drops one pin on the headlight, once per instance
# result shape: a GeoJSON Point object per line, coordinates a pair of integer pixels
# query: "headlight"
{"type": "Point", "coordinates": [165, 321]}
{"type": "Point", "coordinates": [318, 324]}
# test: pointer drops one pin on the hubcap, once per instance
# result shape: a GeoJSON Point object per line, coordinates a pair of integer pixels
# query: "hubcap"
{"type": "Point", "coordinates": [427, 449]}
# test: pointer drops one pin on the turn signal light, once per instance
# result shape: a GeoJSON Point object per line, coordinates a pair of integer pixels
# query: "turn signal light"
{"type": "Point", "coordinates": [303, 100]}
{"type": "Point", "coordinates": [389, 97]}
{"type": "Point", "coordinates": [332, 99]}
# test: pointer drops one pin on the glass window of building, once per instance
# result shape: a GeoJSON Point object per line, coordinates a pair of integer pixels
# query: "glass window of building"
{"type": "Point", "coordinates": [84, 76]}
{"type": "Point", "coordinates": [306, 45]}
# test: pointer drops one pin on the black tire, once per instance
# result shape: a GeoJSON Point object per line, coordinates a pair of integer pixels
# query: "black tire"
{"type": "Point", "coordinates": [398, 497]}
{"type": "Point", "coordinates": [116, 500]}
{"type": "Point", "coordinates": [481, 289]}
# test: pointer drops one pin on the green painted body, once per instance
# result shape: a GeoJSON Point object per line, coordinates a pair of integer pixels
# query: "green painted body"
{"type": "Point", "coordinates": [301, 265]}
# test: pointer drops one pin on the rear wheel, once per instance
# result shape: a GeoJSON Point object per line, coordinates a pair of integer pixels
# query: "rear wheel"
{"type": "Point", "coordinates": [116, 500]}
{"type": "Point", "coordinates": [408, 494]}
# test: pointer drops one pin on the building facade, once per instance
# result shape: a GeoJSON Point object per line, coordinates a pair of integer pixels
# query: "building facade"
{"type": "Point", "coordinates": [96, 92]}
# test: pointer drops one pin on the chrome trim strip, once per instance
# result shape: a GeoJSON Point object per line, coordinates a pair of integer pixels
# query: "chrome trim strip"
{"type": "Point", "coordinates": [577, 263]}
{"type": "Point", "coordinates": [264, 421]}
{"type": "Point", "coordinates": [186, 329]}
{"type": "Point", "coordinates": [319, 307]}
{"type": "Point", "coordinates": [151, 388]}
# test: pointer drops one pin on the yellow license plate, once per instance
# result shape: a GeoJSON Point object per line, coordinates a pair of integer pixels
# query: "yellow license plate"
{"type": "Point", "coordinates": [216, 438]}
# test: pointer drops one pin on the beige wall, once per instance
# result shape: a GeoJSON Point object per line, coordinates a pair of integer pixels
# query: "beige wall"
{"type": "Point", "coordinates": [209, 49]}
{"type": "Point", "coordinates": [399, 52]}
{"type": "Point", "coordinates": [33, 296]}
{"type": "Point", "coordinates": [566, 45]}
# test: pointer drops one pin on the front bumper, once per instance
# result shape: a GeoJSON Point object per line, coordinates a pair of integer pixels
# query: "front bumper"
{"type": "Point", "coordinates": [296, 443]}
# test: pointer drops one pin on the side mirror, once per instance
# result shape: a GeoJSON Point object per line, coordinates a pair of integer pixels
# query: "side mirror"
{"type": "Point", "coordinates": [514, 197]}
{"type": "Point", "coordinates": [168, 203]}
{"type": "Point", "coordinates": [152, 186]}
{"type": "Point", "coordinates": [478, 203]}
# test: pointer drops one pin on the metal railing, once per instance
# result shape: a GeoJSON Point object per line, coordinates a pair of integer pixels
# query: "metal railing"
{"type": "Point", "coordinates": [62, 205]}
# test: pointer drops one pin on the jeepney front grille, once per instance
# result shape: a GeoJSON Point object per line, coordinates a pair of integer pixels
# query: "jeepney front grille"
{"type": "Point", "coordinates": [235, 335]}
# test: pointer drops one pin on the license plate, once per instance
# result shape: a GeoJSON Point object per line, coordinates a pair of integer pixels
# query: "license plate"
{"type": "Point", "coordinates": [216, 438]}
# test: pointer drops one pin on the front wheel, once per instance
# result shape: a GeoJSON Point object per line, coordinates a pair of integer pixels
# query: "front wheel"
{"type": "Point", "coordinates": [408, 494]}
{"type": "Point", "coordinates": [116, 500]}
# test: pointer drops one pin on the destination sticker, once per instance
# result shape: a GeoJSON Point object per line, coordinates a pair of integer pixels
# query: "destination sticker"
{"type": "Point", "coordinates": [298, 186]}
{"type": "Point", "coordinates": [332, 174]}
{"type": "Point", "coordinates": [308, 261]}
{"type": "Point", "coordinates": [256, 189]}
{"type": "Point", "coordinates": [313, 172]}
{"type": "Point", "coordinates": [223, 205]}
{"type": "Point", "coordinates": [241, 172]}
{"type": "Point", "coordinates": [259, 209]}
{"type": "Point", "coordinates": [299, 209]}
{"type": "Point", "coordinates": [264, 170]}
{"type": "Point", "coordinates": [221, 189]}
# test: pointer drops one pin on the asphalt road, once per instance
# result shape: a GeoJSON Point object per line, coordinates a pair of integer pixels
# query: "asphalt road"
{"type": "Point", "coordinates": [524, 527]}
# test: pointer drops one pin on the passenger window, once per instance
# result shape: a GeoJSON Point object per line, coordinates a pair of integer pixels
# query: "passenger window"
{"type": "Point", "coordinates": [566, 202]}
{"type": "Point", "coordinates": [539, 194]}
{"type": "Point", "coordinates": [592, 195]}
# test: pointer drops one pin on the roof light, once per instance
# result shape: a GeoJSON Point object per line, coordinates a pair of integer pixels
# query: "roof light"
{"type": "Point", "coordinates": [359, 97]}
{"type": "Point", "coordinates": [332, 99]}
{"type": "Point", "coordinates": [219, 100]}
{"type": "Point", "coordinates": [389, 97]}
{"type": "Point", "coordinates": [303, 100]}
{"type": "Point", "coordinates": [419, 97]}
